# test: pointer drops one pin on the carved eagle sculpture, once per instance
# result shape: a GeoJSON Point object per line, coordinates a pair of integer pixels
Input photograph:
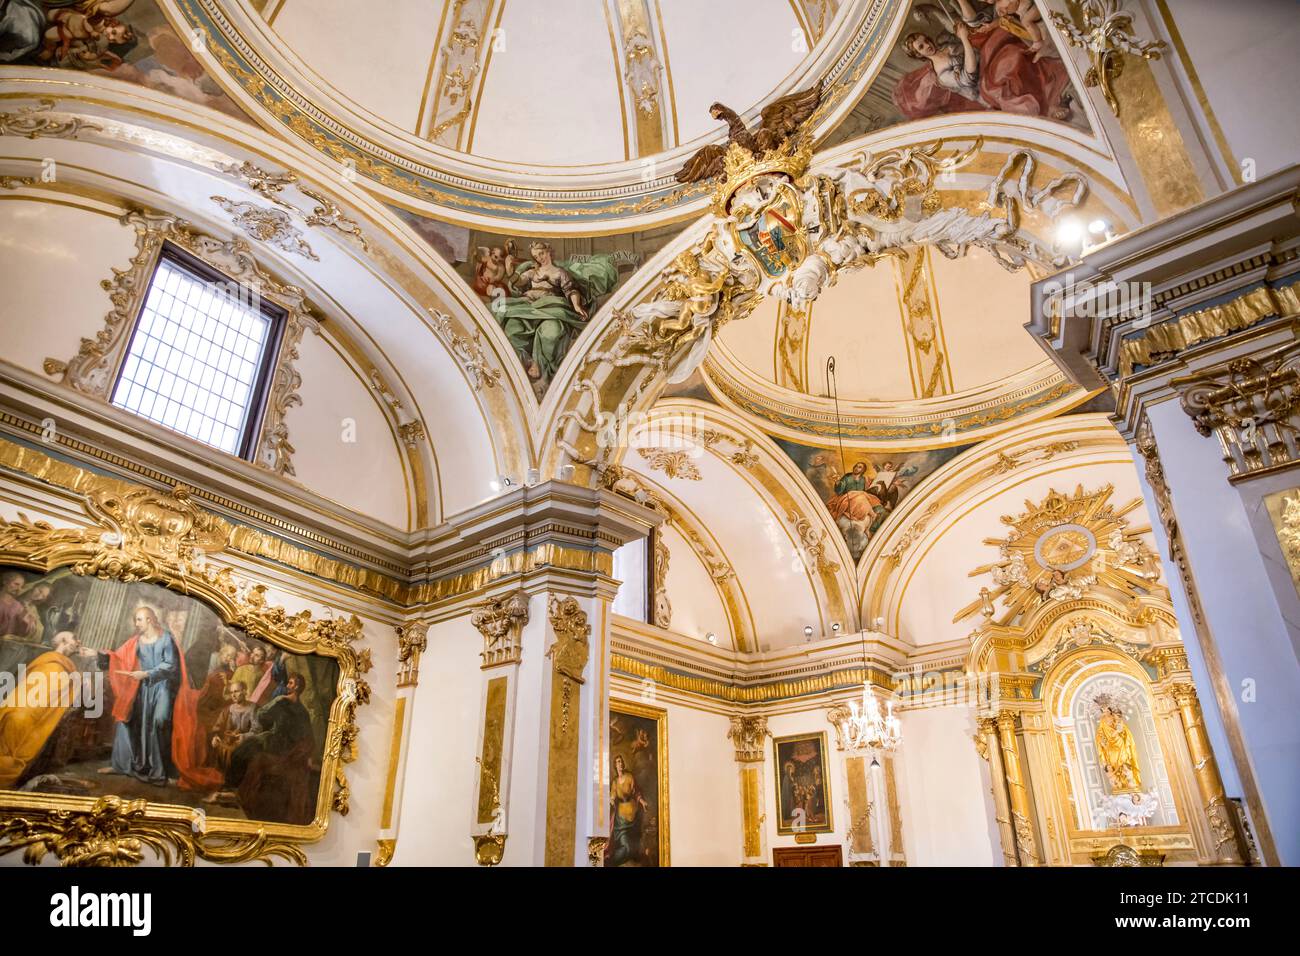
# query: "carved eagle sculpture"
{"type": "Point", "coordinates": [779, 121]}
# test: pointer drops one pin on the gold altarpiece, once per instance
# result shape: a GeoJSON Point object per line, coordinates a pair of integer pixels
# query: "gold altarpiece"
{"type": "Point", "coordinates": [1030, 733]}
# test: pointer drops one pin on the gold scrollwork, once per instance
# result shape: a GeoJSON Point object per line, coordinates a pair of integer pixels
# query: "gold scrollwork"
{"type": "Point", "coordinates": [142, 535]}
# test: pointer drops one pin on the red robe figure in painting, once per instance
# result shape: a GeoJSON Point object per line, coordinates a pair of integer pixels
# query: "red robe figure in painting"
{"type": "Point", "coordinates": [156, 710]}
{"type": "Point", "coordinates": [985, 66]}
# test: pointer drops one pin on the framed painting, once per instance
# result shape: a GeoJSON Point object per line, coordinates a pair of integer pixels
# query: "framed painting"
{"type": "Point", "coordinates": [638, 786]}
{"type": "Point", "coordinates": [803, 786]}
{"type": "Point", "coordinates": [149, 700]}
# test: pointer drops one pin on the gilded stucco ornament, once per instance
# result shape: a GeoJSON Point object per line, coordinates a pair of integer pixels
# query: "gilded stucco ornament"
{"type": "Point", "coordinates": [39, 121]}
{"type": "Point", "coordinates": [781, 231]}
{"type": "Point", "coordinates": [93, 369]}
{"type": "Point", "coordinates": [165, 538]}
{"type": "Point", "coordinates": [271, 226]}
{"type": "Point", "coordinates": [570, 651]}
{"type": "Point", "coordinates": [1063, 547]}
{"type": "Point", "coordinates": [266, 184]}
{"type": "Point", "coordinates": [1252, 405]}
{"type": "Point", "coordinates": [501, 622]}
{"type": "Point", "coordinates": [1107, 35]}
{"type": "Point", "coordinates": [469, 351]}
{"type": "Point", "coordinates": [749, 733]}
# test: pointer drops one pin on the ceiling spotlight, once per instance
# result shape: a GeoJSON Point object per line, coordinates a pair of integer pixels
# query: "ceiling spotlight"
{"type": "Point", "coordinates": [835, 627]}
{"type": "Point", "coordinates": [711, 637]}
{"type": "Point", "coordinates": [1069, 232]}
{"type": "Point", "coordinates": [880, 624]}
{"type": "Point", "coordinates": [807, 630]}
{"type": "Point", "coordinates": [1098, 227]}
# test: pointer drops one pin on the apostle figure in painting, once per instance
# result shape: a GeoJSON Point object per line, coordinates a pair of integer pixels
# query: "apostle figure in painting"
{"type": "Point", "coordinates": [270, 770]}
{"type": "Point", "coordinates": [852, 501]}
{"type": "Point", "coordinates": [233, 726]}
{"type": "Point", "coordinates": [28, 717]}
{"type": "Point", "coordinates": [1116, 751]}
{"type": "Point", "coordinates": [15, 617]}
{"type": "Point", "coordinates": [156, 738]}
{"type": "Point", "coordinates": [251, 673]}
{"type": "Point", "coordinates": [627, 810]}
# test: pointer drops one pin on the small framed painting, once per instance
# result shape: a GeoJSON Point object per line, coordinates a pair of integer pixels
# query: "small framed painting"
{"type": "Point", "coordinates": [638, 786]}
{"type": "Point", "coordinates": [803, 788]}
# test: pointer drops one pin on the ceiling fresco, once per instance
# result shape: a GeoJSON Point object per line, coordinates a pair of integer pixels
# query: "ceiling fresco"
{"type": "Point", "coordinates": [1005, 61]}
{"type": "Point", "coordinates": [128, 40]}
{"type": "Point", "coordinates": [861, 489]}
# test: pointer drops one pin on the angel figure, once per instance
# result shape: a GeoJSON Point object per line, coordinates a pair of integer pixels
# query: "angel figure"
{"type": "Point", "coordinates": [779, 121]}
{"type": "Point", "coordinates": [86, 34]}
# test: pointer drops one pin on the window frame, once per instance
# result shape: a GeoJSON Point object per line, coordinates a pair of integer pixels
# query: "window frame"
{"type": "Point", "coordinates": [259, 395]}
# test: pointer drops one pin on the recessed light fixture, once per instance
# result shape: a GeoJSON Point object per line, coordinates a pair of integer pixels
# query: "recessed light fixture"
{"type": "Point", "coordinates": [711, 637]}
{"type": "Point", "coordinates": [1097, 227]}
{"type": "Point", "coordinates": [807, 630]}
{"type": "Point", "coordinates": [1069, 232]}
{"type": "Point", "coordinates": [835, 627]}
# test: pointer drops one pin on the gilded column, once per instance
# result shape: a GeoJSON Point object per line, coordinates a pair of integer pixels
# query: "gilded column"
{"type": "Point", "coordinates": [568, 655]}
{"type": "Point", "coordinates": [1228, 838]}
{"type": "Point", "coordinates": [501, 622]}
{"type": "Point", "coordinates": [749, 734]}
{"type": "Point", "coordinates": [897, 855]}
{"type": "Point", "coordinates": [986, 742]}
{"type": "Point", "coordinates": [1022, 819]}
{"type": "Point", "coordinates": [412, 641]}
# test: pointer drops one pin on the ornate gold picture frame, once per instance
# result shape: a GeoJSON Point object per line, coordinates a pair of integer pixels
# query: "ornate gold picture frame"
{"type": "Point", "coordinates": [803, 784]}
{"type": "Point", "coordinates": [638, 786]}
{"type": "Point", "coordinates": [143, 537]}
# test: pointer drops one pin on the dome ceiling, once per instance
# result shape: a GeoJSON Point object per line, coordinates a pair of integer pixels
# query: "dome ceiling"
{"type": "Point", "coordinates": [564, 113]}
{"type": "Point", "coordinates": [928, 351]}
{"type": "Point", "coordinates": [560, 83]}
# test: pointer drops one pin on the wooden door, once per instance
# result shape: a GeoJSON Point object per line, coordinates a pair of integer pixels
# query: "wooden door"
{"type": "Point", "coordinates": [807, 856]}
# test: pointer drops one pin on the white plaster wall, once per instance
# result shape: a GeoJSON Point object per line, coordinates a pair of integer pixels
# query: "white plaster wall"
{"type": "Point", "coordinates": [946, 813]}
{"type": "Point", "coordinates": [703, 789]}
{"type": "Point", "coordinates": [54, 259]}
{"type": "Point", "coordinates": [1245, 57]}
{"type": "Point", "coordinates": [440, 769]}
{"type": "Point", "coordinates": [1250, 632]}
{"type": "Point", "coordinates": [697, 608]}
{"type": "Point", "coordinates": [359, 467]}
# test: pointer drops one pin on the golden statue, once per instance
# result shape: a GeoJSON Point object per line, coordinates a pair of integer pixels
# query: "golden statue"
{"type": "Point", "coordinates": [1117, 752]}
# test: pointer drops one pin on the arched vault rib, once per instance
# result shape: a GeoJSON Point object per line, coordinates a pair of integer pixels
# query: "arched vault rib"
{"type": "Point", "coordinates": [809, 543]}
{"type": "Point", "coordinates": [707, 550]}
{"type": "Point", "coordinates": [1062, 452]}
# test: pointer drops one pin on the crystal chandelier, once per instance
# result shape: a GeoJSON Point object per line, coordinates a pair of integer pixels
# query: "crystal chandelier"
{"type": "Point", "coordinates": [867, 727]}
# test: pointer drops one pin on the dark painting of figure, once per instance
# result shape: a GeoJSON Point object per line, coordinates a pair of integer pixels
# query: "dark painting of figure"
{"type": "Point", "coordinates": [138, 691]}
{"type": "Point", "coordinates": [638, 812]}
{"type": "Point", "coordinates": [127, 39]}
{"type": "Point", "coordinates": [966, 56]}
{"type": "Point", "coordinates": [802, 784]}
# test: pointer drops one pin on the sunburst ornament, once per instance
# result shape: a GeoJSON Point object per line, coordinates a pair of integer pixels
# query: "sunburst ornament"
{"type": "Point", "coordinates": [1062, 548]}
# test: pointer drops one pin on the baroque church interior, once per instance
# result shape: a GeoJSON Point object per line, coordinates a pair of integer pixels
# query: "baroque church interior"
{"type": "Point", "coordinates": [645, 433]}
